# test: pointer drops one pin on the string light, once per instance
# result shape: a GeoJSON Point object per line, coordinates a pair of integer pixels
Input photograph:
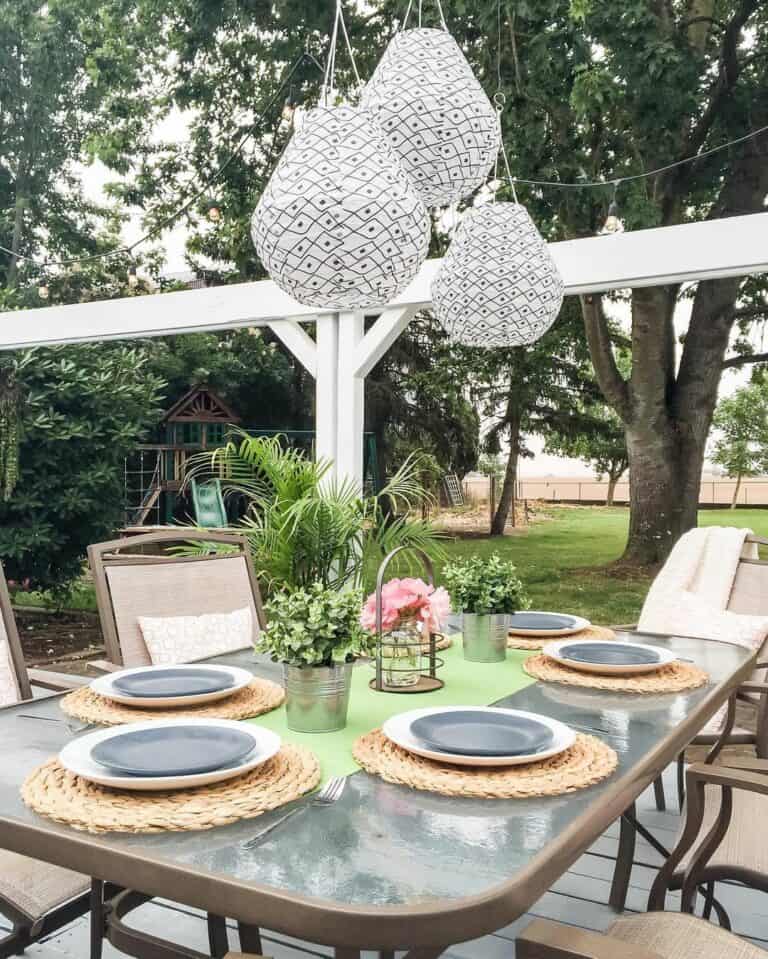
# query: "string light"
{"type": "Point", "coordinates": [133, 277]}
{"type": "Point", "coordinates": [214, 212]}
{"type": "Point", "coordinates": [42, 290]}
{"type": "Point", "coordinates": [613, 223]}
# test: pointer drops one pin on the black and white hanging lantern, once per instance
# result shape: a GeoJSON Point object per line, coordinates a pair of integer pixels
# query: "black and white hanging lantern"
{"type": "Point", "coordinates": [498, 284]}
{"type": "Point", "coordinates": [340, 223]}
{"type": "Point", "coordinates": [435, 114]}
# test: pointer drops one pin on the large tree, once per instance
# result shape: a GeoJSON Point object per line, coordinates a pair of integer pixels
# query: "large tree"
{"type": "Point", "coordinates": [741, 446]}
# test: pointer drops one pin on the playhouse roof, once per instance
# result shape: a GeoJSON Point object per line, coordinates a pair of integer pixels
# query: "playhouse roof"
{"type": "Point", "coordinates": [200, 405]}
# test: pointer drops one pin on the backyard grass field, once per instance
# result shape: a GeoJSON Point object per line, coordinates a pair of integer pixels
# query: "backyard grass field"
{"type": "Point", "coordinates": [559, 559]}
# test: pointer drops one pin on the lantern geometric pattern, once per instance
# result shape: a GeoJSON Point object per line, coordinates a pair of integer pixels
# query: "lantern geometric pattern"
{"type": "Point", "coordinates": [435, 114]}
{"type": "Point", "coordinates": [340, 224]}
{"type": "Point", "coordinates": [497, 284]}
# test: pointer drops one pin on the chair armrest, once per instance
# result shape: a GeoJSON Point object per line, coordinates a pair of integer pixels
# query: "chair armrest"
{"type": "Point", "coordinates": [728, 777]}
{"type": "Point", "coordinates": [47, 679]}
{"type": "Point", "coordinates": [104, 666]}
{"type": "Point", "coordinates": [243, 955]}
{"type": "Point", "coordinates": [748, 763]}
{"type": "Point", "coordinates": [752, 686]}
{"type": "Point", "coordinates": [552, 940]}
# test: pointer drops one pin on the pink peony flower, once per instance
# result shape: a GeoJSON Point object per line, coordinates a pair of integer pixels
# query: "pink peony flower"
{"type": "Point", "coordinates": [405, 599]}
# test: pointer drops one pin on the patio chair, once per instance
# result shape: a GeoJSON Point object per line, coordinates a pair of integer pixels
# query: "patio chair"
{"type": "Point", "coordinates": [721, 839]}
{"type": "Point", "coordinates": [132, 582]}
{"type": "Point", "coordinates": [136, 576]}
{"type": "Point", "coordinates": [36, 897]}
{"type": "Point", "coordinates": [655, 935]}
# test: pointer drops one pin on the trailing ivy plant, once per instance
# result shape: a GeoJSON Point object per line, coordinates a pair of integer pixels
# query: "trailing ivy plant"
{"type": "Point", "coordinates": [480, 585]}
{"type": "Point", "coordinates": [314, 627]}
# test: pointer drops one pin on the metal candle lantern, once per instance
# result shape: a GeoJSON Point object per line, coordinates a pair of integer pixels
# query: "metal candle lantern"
{"type": "Point", "coordinates": [423, 648]}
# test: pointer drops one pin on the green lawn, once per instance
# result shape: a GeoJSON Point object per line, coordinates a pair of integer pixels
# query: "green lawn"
{"type": "Point", "coordinates": [558, 559]}
{"type": "Point", "coordinates": [553, 559]}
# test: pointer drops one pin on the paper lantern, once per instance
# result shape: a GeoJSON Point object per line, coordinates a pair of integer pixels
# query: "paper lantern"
{"type": "Point", "coordinates": [498, 284]}
{"type": "Point", "coordinates": [340, 223]}
{"type": "Point", "coordinates": [435, 114]}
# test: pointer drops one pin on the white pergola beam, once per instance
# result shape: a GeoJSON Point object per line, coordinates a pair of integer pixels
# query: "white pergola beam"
{"type": "Point", "coordinates": [733, 246]}
{"type": "Point", "coordinates": [296, 339]}
{"type": "Point", "coordinates": [380, 337]}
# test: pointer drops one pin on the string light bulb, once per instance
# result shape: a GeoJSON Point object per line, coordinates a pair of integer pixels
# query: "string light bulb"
{"type": "Point", "coordinates": [289, 108]}
{"type": "Point", "coordinates": [42, 290]}
{"type": "Point", "coordinates": [133, 277]}
{"type": "Point", "coordinates": [613, 222]}
{"type": "Point", "coordinates": [214, 212]}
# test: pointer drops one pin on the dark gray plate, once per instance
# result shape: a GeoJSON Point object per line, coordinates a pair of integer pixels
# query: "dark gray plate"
{"type": "Point", "coordinates": [609, 654]}
{"type": "Point", "coordinates": [554, 621]}
{"type": "Point", "coordinates": [173, 750]}
{"type": "Point", "coordinates": [482, 734]}
{"type": "Point", "coordinates": [162, 683]}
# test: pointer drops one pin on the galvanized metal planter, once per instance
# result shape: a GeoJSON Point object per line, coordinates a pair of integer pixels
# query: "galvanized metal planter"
{"type": "Point", "coordinates": [317, 697]}
{"type": "Point", "coordinates": [485, 637]}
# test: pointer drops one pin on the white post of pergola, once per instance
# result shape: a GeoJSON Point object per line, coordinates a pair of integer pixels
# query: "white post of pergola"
{"type": "Point", "coordinates": [343, 352]}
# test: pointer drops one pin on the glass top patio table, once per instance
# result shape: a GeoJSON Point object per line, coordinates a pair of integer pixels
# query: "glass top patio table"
{"type": "Point", "coordinates": [386, 866]}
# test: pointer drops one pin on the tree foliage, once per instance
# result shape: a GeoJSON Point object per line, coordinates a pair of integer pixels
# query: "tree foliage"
{"type": "Point", "coordinates": [83, 408]}
{"type": "Point", "coordinates": [741, 446]}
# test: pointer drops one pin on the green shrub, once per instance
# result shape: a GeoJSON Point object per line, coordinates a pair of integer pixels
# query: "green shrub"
{"type": "Point", "coordinates": [314, 627]}
{"type": "Point", "coordinates": [480, 585]}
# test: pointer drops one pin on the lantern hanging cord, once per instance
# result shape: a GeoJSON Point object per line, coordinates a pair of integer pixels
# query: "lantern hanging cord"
{"type": "Point", "coordinates": [499, 101]}
{"type": "Point", "coordinates": [329, 89]}
{"type": "Point", "coordinates": [305, 58]}
{"type": "Point", "coordinates": [439, 10]}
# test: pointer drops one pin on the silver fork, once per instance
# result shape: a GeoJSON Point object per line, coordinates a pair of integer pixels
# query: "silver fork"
{"type": "Point", "coordinates": [73, 728]}
{"type": "Point", "coordinates": [328, 795]}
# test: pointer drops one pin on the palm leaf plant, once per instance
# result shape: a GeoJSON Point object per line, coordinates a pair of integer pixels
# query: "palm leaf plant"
{"type": "Point", "coordinates": [304, 527]}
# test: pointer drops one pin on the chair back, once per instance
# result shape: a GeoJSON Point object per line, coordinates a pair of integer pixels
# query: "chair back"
{"type": "Point", "coordinates": [14, 681]}
{"type": "Point", "coordinates": [750, 585]}
{"type": "Point", "coordinates": [131, 582]}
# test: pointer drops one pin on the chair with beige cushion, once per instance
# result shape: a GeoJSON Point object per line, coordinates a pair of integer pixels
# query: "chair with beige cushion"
{"type": "Point", "coordinates": [655, 935]}
{"type": "Point", "coordinates": [137, 577]}
{"type": "Point", "coordinates": [37, 897]}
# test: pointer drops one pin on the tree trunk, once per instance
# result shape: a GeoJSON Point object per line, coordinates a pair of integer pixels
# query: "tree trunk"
{"type": "Point", "coordinates": [507, 498]}
{"type": "Point", "coordinates": [612, 481]}
{"type": "Point", "coordinates": [736, 492]}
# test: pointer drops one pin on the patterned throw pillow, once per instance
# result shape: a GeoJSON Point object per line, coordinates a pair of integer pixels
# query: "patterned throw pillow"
{"type": "Point", "coordinates": [9, 692]}
{"type": "Point", "coordinates": [185, 639]}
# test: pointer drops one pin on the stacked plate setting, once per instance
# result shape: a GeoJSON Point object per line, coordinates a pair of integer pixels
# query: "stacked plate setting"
{"type": "Point", "coordinates": [168, 753]}
{"type": "Point", "coordinates": [479, 735]}
{"type": "Point", "coordinates": [533, 623]}
{"type": "Point", "coordinates": [608, 658]}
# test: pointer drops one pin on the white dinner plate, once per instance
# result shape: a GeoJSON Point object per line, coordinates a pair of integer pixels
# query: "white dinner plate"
{"type": "Point", "coordinates": [104, 686]}
{"type": "Point", "coordinates": [555, 651]}
{"type": "Point", "coordinates": [76, 756]}
{"type": "Point", "coordinates": [579, 623]}
{"type": "Point", "coordinates": [398, 730]}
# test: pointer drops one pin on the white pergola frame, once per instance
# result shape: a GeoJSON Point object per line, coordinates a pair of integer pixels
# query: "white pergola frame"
{"type": "Point", "coordinates": [343, 354]}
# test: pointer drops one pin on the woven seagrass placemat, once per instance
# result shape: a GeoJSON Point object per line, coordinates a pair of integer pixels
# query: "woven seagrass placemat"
{"type": "Point", "coordinates": [538, 642]}
{"type": "Point", "coordinates": [54, 792]}
{"type": "Point", "coordinates": [259, 696]}
{"type": "Point", "coordinates": [587, 762]}
{"type": "Point", "coordinates": [672, 678]}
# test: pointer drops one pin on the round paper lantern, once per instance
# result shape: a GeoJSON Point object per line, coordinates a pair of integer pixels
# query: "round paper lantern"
{"type": "Point", "coordinates": [435, 114]}
{"type": "Point", "coordinates": [339, 223]}
{"type": "Point", "coordinates": [497, 284]}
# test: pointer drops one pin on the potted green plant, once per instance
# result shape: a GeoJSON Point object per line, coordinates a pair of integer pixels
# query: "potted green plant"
{"type": "Point", "coordinates": [486, 592]}
{"type": "Point", "coordinates": [316, 634]}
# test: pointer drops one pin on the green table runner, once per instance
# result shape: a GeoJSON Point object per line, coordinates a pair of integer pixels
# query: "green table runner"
{"type": "Point", "coordinates": [466, 684]}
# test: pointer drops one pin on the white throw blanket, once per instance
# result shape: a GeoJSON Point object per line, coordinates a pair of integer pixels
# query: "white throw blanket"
{"type": "Point", "coordinates": [690, 595]}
